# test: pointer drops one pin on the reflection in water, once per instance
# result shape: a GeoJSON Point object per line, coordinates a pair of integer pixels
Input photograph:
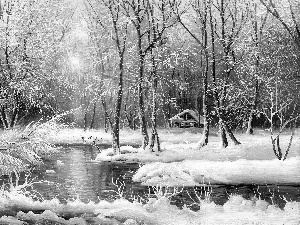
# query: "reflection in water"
{"type": "Point", "coordinates": [76, 176]}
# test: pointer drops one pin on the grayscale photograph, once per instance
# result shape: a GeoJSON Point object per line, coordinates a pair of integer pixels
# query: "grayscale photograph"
{"type": "Point", "coordinates": [149, 112]}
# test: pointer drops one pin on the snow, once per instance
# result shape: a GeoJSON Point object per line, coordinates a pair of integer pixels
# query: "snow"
{"type": "Point", "coordinates": [180, 163]}
{"type": "Point", "coordinates": [50, 171]}
{"type": "Point", "coordinates": [164, 174]}
{"type": "Point", "coordinates": [130, 222]}
{"type": "Point", "coordinates": [10, 220]}
{"type": "Point", "coordinates": [179, 145]}
{"type": "Point", "coordinates": [79, 136]}
{"type": "Point", "coordinates": [59, 163]}
{"type": "Point", "coordinates": [157, 211]}
{"type": "Point", "coordinates": [46, 215]}
{"type": "Point", "coordinates": [193, 172]}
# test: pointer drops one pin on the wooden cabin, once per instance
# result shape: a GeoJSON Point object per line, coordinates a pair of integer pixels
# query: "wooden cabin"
{"type": "Point", "coordinates": [187, 118]}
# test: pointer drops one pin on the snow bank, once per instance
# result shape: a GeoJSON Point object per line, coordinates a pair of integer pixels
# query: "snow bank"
{"type": "Point", "coordinates": [184, 146]}
{"type": "Point", "coordinates": [75, 136]}
{"type": "Point", "coordinates": [9, 220]}
{"type": "Point", "coordinates": [189, 172]}
{"type": "Point", "coordinates": [164, 174]}
{"type": "Point", "coordinates": [128, 154]}
{"type": "Point", "coordinates": [240, 211]}
{"type": "Point", "coordinates": [170, 153]}
{"type": "Point", "coordinates": [157, 211]}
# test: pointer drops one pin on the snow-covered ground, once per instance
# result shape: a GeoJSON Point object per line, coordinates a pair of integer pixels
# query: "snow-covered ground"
{"type": "Point", "coordinates": [179, 144]}
{"type": "Point", "coordinates": [180, 163]}
{"type": "Point", "coordinates": [195, 172]}
{"type": "Point", "coordinates": [157, 211]}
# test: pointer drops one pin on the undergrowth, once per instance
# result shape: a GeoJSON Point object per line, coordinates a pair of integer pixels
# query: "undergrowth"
{"type": "Point", "coordinates": [21, 147]}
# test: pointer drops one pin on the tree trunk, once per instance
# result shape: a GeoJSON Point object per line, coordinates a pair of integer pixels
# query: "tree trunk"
{"type": "Point", "coordinates": [143, 128]}
{"type": "Point", "coordinates": [134, 125]}
{"type": "Point", "coordinates": [222, 128]}
{"type": "Point", "coordinates": [126, 113]}
{"type": "Point", "coordinates": [229, 66]}
{"type": "Point", "coordinates": [205, 132]}
{"type": "Point", "coordinates": [130, 119]}
{"type": "Point", "coordinates": [250, 124]}
{"type": "Point", "coordinates": [85, 121]}
{"type": "Point", "coordinates": [255, 102]}
{"type": "Point", "coordinates": [223, 138]}
{"type": "Point", "coordinates": [169, 110]}
{"type": "Point", "coordinates": [4, 118]}
{"type": "Point", "coordinates": [93, 116]}
{"type": "Point", "coordinates": [14, 118]}
{"type": "Point", "coordinates": [154, 138]}
{"type": "Point", "coordinates": [154, 134]}
{"type": "Point", "coordinates": [231, 135]}
{"type": "Point", "coordinates": [118, 104]}
{"type": "Point", "coordinates": [116, 124]}
{"type": "Point", "coordinates": [106, 116]}
{"type": "Point", "coordinates": [143, 125]}
{"type": "Point", "coordinates": [222, 133]}
{"type": "Point", "coordinates": [225, 127]}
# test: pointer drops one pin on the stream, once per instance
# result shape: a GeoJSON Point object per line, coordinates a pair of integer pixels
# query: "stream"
{"type": "Point", "coordinates": [72, 174]}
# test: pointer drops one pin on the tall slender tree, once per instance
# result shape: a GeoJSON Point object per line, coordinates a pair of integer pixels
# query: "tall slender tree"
{"type": "Point", "coordinates": [200, 8]}
{"type": "Point", "coordinates": [120, 38]}
{"type": "Point", "coordinates": [212, 21]}
{"type": "Point", "coordinates": [116, 27]}
{"type": "Point", "coordinates": [258, 23]}
{"type": "Point", "coordinates": [232, 16]}
{"type": "Point", "coordinates": [138, 12]}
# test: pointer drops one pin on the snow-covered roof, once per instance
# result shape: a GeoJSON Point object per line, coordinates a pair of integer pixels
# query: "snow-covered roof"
{"type": "Point", "coordinates": [193, 113]}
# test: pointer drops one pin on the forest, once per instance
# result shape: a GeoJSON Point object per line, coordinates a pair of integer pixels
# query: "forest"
{"type": "Point", "coordinates": [114, 64]}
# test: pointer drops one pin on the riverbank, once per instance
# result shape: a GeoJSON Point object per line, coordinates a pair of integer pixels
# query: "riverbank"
{"type": "Point", "coordinates": [180, 163]}
{"type": "Point", "coordinates": [22, 209]}
{"type": "Point", "coordinates": [178, 144]}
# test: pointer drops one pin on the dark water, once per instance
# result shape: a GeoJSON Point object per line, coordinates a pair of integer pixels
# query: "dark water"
{"type": "Point", "coordinates": [72, 174]}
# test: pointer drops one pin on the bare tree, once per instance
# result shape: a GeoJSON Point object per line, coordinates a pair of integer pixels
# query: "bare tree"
{"type": "Point", "coordinates": [258, 23]}
{"type": "Point", "coordinates": [201, 9]}
{"type": "Point", "coordinates": [232, 15]}
{"type": "Point", "coordinates": [120, 41]}
{"type": "Point", "coordinates": [23, 65]}
{"type": "Point", "coordinates": [138, 12]}
{"type": "Point", "coordinates": [212, 21]}
{"type": "Point", "coordinates": [152, 36]}
{"type": "Point", "coordinates": [292, 28]}
{"type": "Point", "coordinates": [119, 33]}
{"type": "Point", "coordinates": [278, 110]}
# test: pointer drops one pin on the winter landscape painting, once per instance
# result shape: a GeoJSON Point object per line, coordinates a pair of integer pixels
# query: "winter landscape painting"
{"type": "Point", "coordinates": [150, 112]}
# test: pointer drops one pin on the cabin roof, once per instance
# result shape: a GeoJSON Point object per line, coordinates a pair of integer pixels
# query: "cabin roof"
{"type": "Point", "coordinates": [192, 113]}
